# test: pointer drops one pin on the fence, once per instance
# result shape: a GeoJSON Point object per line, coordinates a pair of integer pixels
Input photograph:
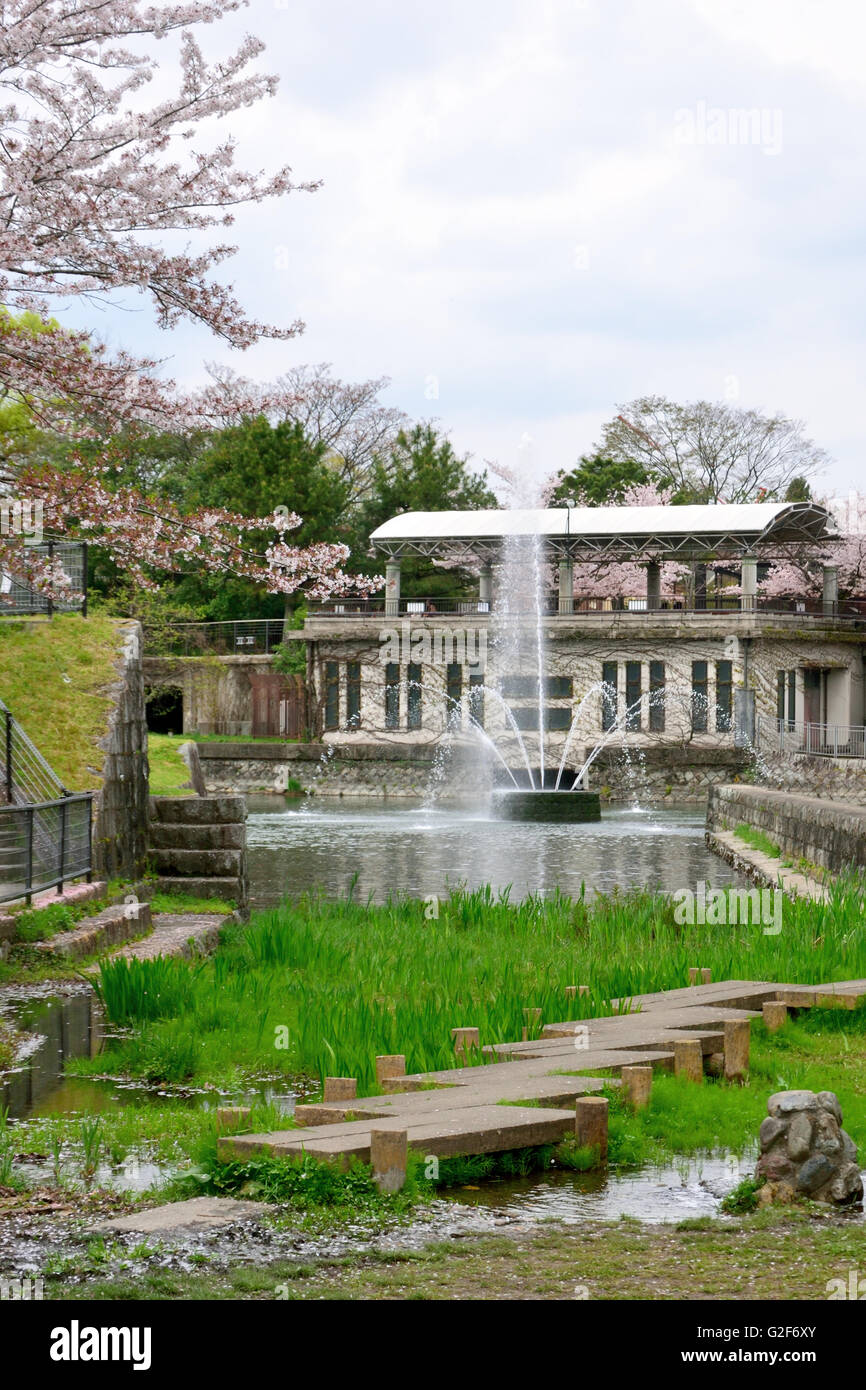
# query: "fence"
{"type": "Point", "coordinates": [17, 598]}
{"type": "Point", "coordinates": [815, 740]}
{"type": "Point", "coordinates": [247, 637]}
{"type": "Point", "coordinates": [45, 831]}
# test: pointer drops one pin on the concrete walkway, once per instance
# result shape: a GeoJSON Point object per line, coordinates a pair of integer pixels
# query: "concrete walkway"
{"type": "Point", "coordinates": [461, 1110]}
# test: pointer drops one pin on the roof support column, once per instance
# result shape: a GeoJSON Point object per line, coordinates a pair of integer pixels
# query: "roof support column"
{"type": "Point", "coordinates": [653, 585]}
{"type": "Point", "coordinates": [392, 588]}
{"type": "Point", "coordinates": [566, 585]}
{"type": "Point", "coordinates": [485, 586]}
{"type": "Point", "coordinates": [699, 570]}
{"type": "Point", "coordinates": [749, 584]}
{"type": "Point", "coordinates": [831, 590]}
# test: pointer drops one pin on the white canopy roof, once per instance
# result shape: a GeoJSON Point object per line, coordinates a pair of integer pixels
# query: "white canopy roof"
{"type": "Point", "coordinates": [605, 530]}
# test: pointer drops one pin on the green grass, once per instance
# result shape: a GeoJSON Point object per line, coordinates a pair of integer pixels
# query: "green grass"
{"type": "Point", "coordinates": [54, 677]}
{"type": "Point", "coordinates": [756, 839]}
{"type": "Point", "coordinates": [187, 902]}
{"type": "Point", "coordinates": [324, 987]}
{"type": "Point", "coordinates": [169, 774]}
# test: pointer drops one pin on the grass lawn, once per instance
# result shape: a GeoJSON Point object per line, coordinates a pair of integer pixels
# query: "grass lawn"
{"type": "Point", "coordinates": [169, 774]}
{"type": "Point", "coordinates": [54, 677]}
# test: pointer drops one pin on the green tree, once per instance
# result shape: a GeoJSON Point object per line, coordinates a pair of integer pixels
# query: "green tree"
{"type": "Point", "coordinates": [597, 481]}
{"type": "Point", "coordinates": [421, 472]}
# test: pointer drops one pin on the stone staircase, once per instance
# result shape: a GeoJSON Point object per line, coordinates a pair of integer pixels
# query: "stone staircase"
{"type": "Point", "coordinates": [198, 846]}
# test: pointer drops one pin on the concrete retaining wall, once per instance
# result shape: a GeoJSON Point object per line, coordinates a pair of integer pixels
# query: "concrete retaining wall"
{"type": "Point", "coordinates": [831, 834]}
{"type": "Point", "coordinates": [120, 813]}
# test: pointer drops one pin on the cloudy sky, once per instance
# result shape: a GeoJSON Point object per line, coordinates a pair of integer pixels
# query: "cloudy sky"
{"type": "Point", "coordinates": [532, 212]}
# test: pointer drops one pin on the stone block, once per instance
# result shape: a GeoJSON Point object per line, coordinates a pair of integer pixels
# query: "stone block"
{"type": "Point", "coordinates": [340, 1088]}
{"type": "Point", "coordinates": [775, 1016]}
{"type": "Point", "coordinates": [388, 1067]}
{"type": "Point", "coordinates": [389, 1150]}
{"type": "Point", "coordinates": [590, 1124]}
{"type": "Point", "coordinates": [737, 1034]}
{"type": "Point", "coordinates": [689, 1059]}
{"type": "Point", "coordinates": [636, 1085]}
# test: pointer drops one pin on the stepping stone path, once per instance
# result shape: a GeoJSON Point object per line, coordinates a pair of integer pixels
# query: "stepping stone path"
{"type": "Point", "coordinates": [459, 1111]}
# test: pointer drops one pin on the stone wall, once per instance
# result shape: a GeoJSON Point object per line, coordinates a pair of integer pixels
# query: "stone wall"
{"type": "Point", "coordinates": [831, 834]}
{"type": "Point", "coordinates": [836, 779]}
{"type": "Point", "coordinates": [120, 806]}
{"type": "Point", "coordinates": [330, 770]}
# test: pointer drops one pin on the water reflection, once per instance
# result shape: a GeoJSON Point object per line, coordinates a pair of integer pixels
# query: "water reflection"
{"type": "Point", "coordinates": [409, 849]}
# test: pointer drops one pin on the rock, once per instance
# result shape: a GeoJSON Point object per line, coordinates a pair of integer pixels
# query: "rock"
{"type": "Point", "coordinates": [805, 1151]}
{"type": "Point", "coordinates": [799, 1136]}
{"type": "Point", "coordinates": [784, 1103]}
{"type": "Point", "coordinates": [770, 1131]}
{"type": "Point", "coordinates": [828, 1100]}
{"type": "Point", "coordinates": [814, 1173]}
{"type": "Point", "coordinates": [848, 1186]}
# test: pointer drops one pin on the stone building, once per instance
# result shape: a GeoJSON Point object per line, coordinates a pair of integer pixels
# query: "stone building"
{"type": "Point", "coordinates": [685, 687]}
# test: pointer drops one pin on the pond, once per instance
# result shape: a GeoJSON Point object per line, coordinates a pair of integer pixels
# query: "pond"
{"type": "Point", "coordinates": [378, 848]}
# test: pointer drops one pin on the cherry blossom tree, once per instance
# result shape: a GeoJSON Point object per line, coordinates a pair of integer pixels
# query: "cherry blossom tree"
{"type": "Point", "coordinates": [799, 573]}
{"type": "Point", "coordinates": [95, 185]}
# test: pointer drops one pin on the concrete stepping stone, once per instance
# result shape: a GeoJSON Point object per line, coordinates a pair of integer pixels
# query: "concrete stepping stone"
{"type": "Point", "coordinates": [196, 1214]}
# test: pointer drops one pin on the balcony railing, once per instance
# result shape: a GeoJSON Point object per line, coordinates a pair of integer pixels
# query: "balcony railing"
{"type": "Point", "coordinates": [582, 605]}
{"type": "Point", "coordinates": [809, 739]}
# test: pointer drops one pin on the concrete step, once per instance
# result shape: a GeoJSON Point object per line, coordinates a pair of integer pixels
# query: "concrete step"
{"type": "Point", "coordinates": [229, 889]}
{"type": "Point", "coordinates": [213, 835]}
{"type": "Point", "coordinates": [109, 928]}
{"type": "Point", "coordinates": [198, 863]}
{"type": "Point", "coordinates": [197, 810]}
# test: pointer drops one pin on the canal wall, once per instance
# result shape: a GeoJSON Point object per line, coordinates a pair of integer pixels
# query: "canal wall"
{"type": "Point", "coordinates": [674, 773]}
{"type": "Point", "coordinates": [829, 834]}
{"type": "Point", "coordinates": [120, 804]}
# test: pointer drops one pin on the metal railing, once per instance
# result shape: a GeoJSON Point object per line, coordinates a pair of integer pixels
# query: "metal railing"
{"type": "Point", "coordinates": [45, 831]}
{"type": "Point", "coordinates": [246, 637]}
{"type": "Point", "coordinates": [807, 738]}
{"type": "Point", "coordinates": [583, 605]}
{"type": "Point", "coordinates": [44, 844]}
{"type": "Point", "coordinates": [19, 599]}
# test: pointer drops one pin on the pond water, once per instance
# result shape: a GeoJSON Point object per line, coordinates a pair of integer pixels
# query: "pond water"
{"type": "Point", "coordinates": [404, 848]}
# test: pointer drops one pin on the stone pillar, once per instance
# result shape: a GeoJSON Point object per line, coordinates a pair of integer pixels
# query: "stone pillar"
{"type": "Point", "coordinates": [637, 1086]}
{"type": "Point", "coordinates": [736, 1049]}
{"type": "Point", "coordinates": [749, 584]}
{"type": "Point", "coordinates": [389, 1150]}
{"type": "Point", "coordinates": [392, 588]}
{"type": "Point", "coordinates": [485, 584]}
{"type": "Point", "coordinates": [653, 585]}
{"type": "Point", "coordinates": [775, 1016]}
{"type": "Point", "coordinates": [590, 1124]}
{"type": "Point", "coordinates": [831, 591]}
{"type": "Point", "coordinates": [389, 1067]}
{"type": "Point", "coordinates": [689, 1059]}
{"type": "Point", "coordinates": [699, 570]}
{"type": "Point", "coordinates": [566, 585]}
{"type": "Point", "coordinates": [340, 1088]}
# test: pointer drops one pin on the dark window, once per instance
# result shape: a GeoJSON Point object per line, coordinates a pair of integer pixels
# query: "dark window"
{"type": "Point", "coordinates": [413, 695]}
{"type": "Point", "coordinates": [558, 687]}
{"type": "Point", "coordinates": [792, 699]}
{"type": "Point", "coordinates": [724, 696]}
{"type": "Point", "coordinates": [780, 695]}
{"type": "Point", "coordinates": [632, 693]}
{"type": "Point", "coordinates": [453, 690]}
{"type": "Point", "coordinates": [608, 694]}
{"type": "Point", "coordinates": [657, 697]}
{"type": "Point", "coordinates": [558, 717]}
{"type": "Point", "coordinates": [332, 695]}
{"type": "Point", "coordinates": [392, 696]}
{"type": "Point", "coordinates": [699, 697]}
{"type": "Point", "coordinates": [526, 717]}
{"type": "Point", "coordinates": [476, 699]}
{"type": "Point", "coordinates": [526, 687]}
{"type": "Point", "coordinates": [353, 694]}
